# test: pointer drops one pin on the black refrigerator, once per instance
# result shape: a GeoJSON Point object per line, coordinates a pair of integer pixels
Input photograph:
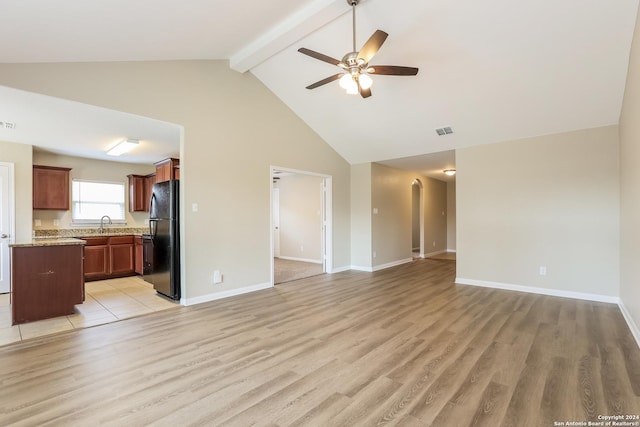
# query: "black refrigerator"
{"type": "Point", "coordinates": [164, 230]}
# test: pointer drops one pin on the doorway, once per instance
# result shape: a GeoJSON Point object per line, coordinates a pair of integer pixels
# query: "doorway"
{"type": "Point", "coordinates": [7, 225]}
{"type": "Point", "coordinates": [417, 219]}
{"type": "Point", "coordinates": [300, 224]}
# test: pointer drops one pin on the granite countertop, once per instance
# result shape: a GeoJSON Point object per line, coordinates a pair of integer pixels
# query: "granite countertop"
{"type": "Point", "coordinates": [48, 242]}
{"type": "Point", "coordinates": [90, 232]}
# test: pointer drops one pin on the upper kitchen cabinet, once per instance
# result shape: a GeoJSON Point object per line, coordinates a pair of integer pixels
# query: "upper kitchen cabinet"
{"type": "Point", "coordinates": [140, 190]}
{"type": "Point", "coordinates": [50, 188]}
{"type": "Point", "coordinates": [167, 169]}
{"type": "Point", "coordinates": [138, 193]}
{"type": "Point", "coordinates": [148, 186]}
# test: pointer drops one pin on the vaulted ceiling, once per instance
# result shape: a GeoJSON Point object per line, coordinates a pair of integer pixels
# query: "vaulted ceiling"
{"type": "Point", "coordinates": [494, 71]}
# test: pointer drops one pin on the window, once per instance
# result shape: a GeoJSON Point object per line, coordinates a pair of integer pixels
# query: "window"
{"type": "Point", "coordinates": [90, 200]}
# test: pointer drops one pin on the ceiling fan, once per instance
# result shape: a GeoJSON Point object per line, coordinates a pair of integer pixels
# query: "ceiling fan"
{"type": "Point", "coordinates": [355, 65]}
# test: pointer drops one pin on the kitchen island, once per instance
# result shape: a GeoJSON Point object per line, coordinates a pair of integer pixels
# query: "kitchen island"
{"type": "Point", "coordinates": [47, 278]}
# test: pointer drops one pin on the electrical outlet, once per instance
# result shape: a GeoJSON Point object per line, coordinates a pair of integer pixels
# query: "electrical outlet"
{"type": "Point", "coordinates": [38, 223]}
{"type": "Point", "coordinates": [56, 222]}
{"type": "Point", "coordinates": [434, 243]}
{"type": "Point", "coordinates": [375, 254]}
{"type": "Point", "coordinates": [301, 248]}
{"type": "Point", "coordinates": [543, 270]}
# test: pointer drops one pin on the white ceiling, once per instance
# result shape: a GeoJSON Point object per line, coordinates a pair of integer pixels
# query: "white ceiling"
{"type": "Point", "coordinates": [495, 70]}
{"type": "Point", "coordinates": [75, 129]}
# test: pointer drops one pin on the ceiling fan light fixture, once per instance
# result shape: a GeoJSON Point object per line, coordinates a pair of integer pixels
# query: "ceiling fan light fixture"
{"type": "Point", "coordinates": [365, 81]}
{"type": "Point", "coordinates": [348, 83]}
{"type": "Point", "coordinates": [345, 81]}
{"type": "Point", "coordinates": [353, 89]}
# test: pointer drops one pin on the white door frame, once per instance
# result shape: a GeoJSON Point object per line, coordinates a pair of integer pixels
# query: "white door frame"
{"type": "Point", "coordinates": [327, 220]}
{"type": "Point", "coordinates": [418, 182]}
{"type": "Point", "coordinates": [5, 279]}
{"type": "Point", "coordinates": [275, 220]}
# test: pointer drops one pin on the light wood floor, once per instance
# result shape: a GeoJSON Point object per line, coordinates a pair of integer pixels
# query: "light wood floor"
{"type": "Point", "coordinates": [286, 270]}
{"type": "Point", "coordinates": [403, 346]}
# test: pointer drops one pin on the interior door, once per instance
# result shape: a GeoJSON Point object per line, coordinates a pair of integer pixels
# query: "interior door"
{"type": "Point", "coordinates": [5, 227]}
{"type": "Point", "coordinates": [276, 222]}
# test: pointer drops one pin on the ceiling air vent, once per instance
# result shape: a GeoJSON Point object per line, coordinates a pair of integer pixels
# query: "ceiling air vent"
{"type": "Point", "coordinates": [7, 125]}
{"type": "Point", "coordinates": [444, 131]}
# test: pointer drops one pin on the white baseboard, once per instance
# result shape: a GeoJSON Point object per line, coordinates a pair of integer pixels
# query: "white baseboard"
{"type": "Point", "coordinates": [381, 266]}
{"type": "Point", "coordinates": [289, 258]}
{"type": "Point", "coordinates": [632, 325]}
{"type": "Point", "coordinates": [225, 294]}
{"type": "Point", "coordinates": [434, 253]}
{"type": "Point", "coordinates": [451, 250]}
{"type": "Point", "coordinates": [361, 268]}
{"type": "Point", "coordinates": [534, 290]}
{"type": "Point", "coordinates": [341, 269]}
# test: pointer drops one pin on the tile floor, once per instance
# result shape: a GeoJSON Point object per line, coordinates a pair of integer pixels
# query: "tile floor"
{"type": "Point", "coordinates": [106, 301]}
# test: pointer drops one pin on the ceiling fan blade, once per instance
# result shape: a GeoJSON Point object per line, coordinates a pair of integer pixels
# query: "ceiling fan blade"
{"type": "Point", "coordinates": [372, 46]}
{"type": "Point", "coordinates": [319, 56]}
{"type": "Point", "coordinates": [365, 93]}
{"type": "Point", "coordinates": [392, 70]}
{"type": "Point", "coordinates": [325, 81]}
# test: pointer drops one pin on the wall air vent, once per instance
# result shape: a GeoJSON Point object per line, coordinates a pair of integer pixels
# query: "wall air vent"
{"type": "Point", "coordinates": [444, 131]}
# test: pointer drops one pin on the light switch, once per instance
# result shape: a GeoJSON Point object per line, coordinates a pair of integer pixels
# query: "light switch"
{"type": "Point", "coordinates": [375, 211]}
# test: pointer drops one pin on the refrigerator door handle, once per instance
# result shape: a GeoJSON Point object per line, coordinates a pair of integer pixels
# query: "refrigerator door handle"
{"type": "Point", "coordinates": [153, 227]}
{"type": "Point", "coordinates": [152, 213]}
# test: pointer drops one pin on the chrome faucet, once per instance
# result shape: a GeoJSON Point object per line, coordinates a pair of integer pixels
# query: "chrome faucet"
{"type": "Point", "coordinates": [101, 229]}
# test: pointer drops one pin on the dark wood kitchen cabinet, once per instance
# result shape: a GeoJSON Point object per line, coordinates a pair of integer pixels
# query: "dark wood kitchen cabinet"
{"type": "Point", "coordinates": [47, 281]}
{"type": "Point", "coordinates": [96, 258]}
{"type": "Point", "coordinates": [138, 193]}
{"type": "Point", "coordinates": [166, 169]}
{"type": "Point", "coordinates": [138, 254]}
{"type": "Point", "coordinates": [108, 257]}
{"type": "Point", "coordinates": [50, 188]}
{"type": "Point", "coordinates": [121, 256]}
{"type": "Point", "coordinates": [148, 188]}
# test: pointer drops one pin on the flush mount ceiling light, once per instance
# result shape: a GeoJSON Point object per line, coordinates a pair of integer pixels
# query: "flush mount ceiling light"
{"type": "Point", "coordinates": [354, 77]}
{"type": "Point", "coordinates": [123, 146]}
{"type": "Point", "coordinates": [449, 172]}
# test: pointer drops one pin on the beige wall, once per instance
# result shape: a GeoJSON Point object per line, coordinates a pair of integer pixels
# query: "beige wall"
{"type": "Point", "coordinates": [20, 155]}
{"type": "Point", "coordinates": [630, 187]}
{"type": "Point", "coordinates": [300, 217]}
{"type": "Point", "coordinates": [391, 227]}
{"type": "Point", "coordinates": [548, 201]}
{"type": "Point", "coordinates": [435, 215]}
{"type": "Point", "coordinates": [235, 129]}
{"type": "Point", "coordinates": [451, 216]}
{"type": "Point", "coordinates": [361, 257]}
{"type": "Point", "coordinates": [90, 169]}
